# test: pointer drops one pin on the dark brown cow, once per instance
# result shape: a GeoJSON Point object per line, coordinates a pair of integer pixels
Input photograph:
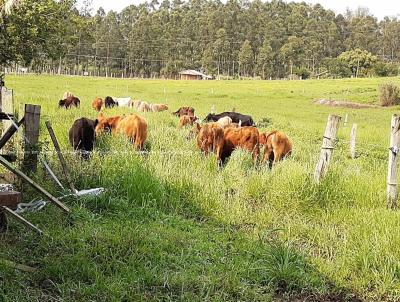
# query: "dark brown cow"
{"type": "Point", "coordinates": [184, 111]}
{"type": "Point", "coordinates": [69, 102]}
{"type": "Point", "coordinates": [82, 136]}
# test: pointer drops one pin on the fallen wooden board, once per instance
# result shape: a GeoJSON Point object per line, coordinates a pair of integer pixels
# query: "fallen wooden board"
{"type": "Point", "coordinates": [21, 267]}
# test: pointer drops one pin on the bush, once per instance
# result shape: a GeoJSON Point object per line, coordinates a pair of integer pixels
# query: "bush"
{"type": "Point", "coordinates": [383, 69]}
{"type": "Point", "coordinates": [303, 73]}
{"type": "Point", "coordinates": [389, 94]}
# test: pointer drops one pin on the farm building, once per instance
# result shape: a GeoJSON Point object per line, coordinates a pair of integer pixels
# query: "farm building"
{"type": "Point", "coordinates": [194, 75]}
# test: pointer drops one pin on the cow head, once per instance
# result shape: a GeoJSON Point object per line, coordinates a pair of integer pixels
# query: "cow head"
{"type": "Point", "coordinates": [61, 103]}
{"type": "Point", "coordinates": [210, 117]}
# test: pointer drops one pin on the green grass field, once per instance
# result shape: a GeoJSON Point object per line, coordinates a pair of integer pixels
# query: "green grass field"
{"type": "Point", "coordinates": [173, 227]}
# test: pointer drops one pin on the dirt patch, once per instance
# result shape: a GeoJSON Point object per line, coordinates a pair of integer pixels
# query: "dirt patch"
{"type": "Point", "coordinates": [344, 104]}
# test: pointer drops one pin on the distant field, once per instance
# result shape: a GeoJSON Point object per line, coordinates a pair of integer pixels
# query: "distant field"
{"type": "Point", "coordinates": [173, 227]}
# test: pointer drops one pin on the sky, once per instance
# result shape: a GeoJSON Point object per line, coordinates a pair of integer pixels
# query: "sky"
{"type": "Point", "coordinates": [377, 8]}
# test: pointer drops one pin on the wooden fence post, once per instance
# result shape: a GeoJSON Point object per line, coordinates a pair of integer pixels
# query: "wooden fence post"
{"type": "Point", "coordinates": [328, 144]}
{"type": "Point", "coordinates": [31, 139]}
{"type": "Point", "coordinates": [7, 106]}
{"type": "Point", "coordinates": [353, 135]}
{"type": "Point", "coordinates": [392, 192]}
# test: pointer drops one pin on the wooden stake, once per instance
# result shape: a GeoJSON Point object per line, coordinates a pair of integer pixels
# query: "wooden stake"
{"type": "Point", "coordinates": [328, 145]}
{"type": "Point", "coordinates": [392, 190]}
{"type": "Point", "coordinates": [22, 220]}
{"type": "Point", "coordinates": [353, 135]}
{"type": "Point", "coordinates": [61, 157]}
{"type": "Point", "coordinates": [10, 167]}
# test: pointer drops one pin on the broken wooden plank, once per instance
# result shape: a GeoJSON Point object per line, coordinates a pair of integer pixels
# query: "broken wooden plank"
{"type": "Point", "coordinates": [10, 132]}
{"type": "Point", "coordinates": [19, 173]}
{"type": "Point", "coordinates": [20, 267]}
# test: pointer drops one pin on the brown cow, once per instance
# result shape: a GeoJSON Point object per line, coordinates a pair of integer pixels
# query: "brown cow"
{"type": "Point", "coordinates": [97, 104]}
{"type": "Point", "coordinates": [277, 146]}
{"type": "Point", "coordinates": [186, 120]}
{"type": "Point", "coordinates": [184, 111]}
{"type": "Point", "coordinates": [132, 126]}
{"type": "Point", "coordinates": [69, 102]}
{"type": "Point", "coordinates": [210, 138]}
{"type": "Point", "coordinates": [158, 107]}
{"type": "Point", "coordinates": [245, 138]}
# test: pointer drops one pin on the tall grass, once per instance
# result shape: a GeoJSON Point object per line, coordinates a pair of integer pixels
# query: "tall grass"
{"type": "Point", "coordinates": [173, 226]}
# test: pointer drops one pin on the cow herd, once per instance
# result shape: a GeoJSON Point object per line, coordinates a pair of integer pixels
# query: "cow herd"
{"type": "Point", "coordinates": [220, 134]}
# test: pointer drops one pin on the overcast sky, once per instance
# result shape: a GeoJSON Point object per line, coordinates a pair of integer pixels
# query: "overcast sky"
{"type": "Point", "coordinates": [378, 8]}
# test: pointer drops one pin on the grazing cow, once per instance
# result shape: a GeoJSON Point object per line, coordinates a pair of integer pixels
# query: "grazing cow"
{"type": "Point", "coordinates": [82, 136]}
{"type": "Point", "coordinates": [186, 120]}
{"type": "Point", "coordinates": [136, 103]}
{"type": "Point", "coordinates": [144, 107]}
{"type": "Point", "coordinates": [109, 124]}
{"type": "Point", "coordinates": [225, 121]}
{"type": "Point", "coordinates": [243, 120]}
{"type": "Point", "coordinates": [132, 126]}
{"type": "Point", "coordinates": [277, 146]}
{"type": "Point", "coordinates": [123, 102]}
{"type": "Point", "coordinates": [97, 104]}
{"type": "Point", "coordinates": [109, 102]}
{"type": "Point", "coordinates": [135, 128]}
{"type": "Point", "coordinates": [69, 102]}
{"type": "Point", "coordinates": [245, 138]}
{"type": "Point", "coordinates": [210, 138]}
{"type": "Point", "coordinates": [158, 107]}
{"type": "Point", "coordinates": [184, 111]}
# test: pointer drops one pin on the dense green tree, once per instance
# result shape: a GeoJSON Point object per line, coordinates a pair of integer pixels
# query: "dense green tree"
{"type": "Point", "coordinates": [246, 58]}
{"type": "Point", "coordinates": [357, 60]}
{"type": "Point", "coordinates": [160, 37]}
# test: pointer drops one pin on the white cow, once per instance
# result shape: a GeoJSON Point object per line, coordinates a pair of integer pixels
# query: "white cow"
{"type": "Point", "coordinates": [224, 121]}
{"type": "Point", "coordinates": [123, 102]}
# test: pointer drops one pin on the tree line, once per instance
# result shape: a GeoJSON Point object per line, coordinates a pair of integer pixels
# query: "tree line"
{"type": "Point", "coordinates": [237, 38]}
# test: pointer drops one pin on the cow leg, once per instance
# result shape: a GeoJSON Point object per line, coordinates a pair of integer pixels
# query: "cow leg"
{"type": "Point", "coordinates": [268, 157]}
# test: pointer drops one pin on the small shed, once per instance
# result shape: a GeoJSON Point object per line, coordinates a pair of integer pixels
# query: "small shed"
{"type": "Point", "coordinates": [194, 75]}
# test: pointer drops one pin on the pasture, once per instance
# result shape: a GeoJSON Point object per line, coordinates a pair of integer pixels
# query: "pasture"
{"type": "Point", "coordinates": [172, 226]}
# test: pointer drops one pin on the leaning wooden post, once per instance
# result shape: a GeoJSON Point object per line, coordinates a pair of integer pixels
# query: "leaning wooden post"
{"type": "Point", "coordinates": [64, 166]}
{"type": "Point", "coordinates": [31, 137]}
{"type": "Point", "coordinates": [328, 144]}
{"type": "Point", "coordinates": [353, 135]}
{"type": "Point", "coordinates": [392, 192]}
